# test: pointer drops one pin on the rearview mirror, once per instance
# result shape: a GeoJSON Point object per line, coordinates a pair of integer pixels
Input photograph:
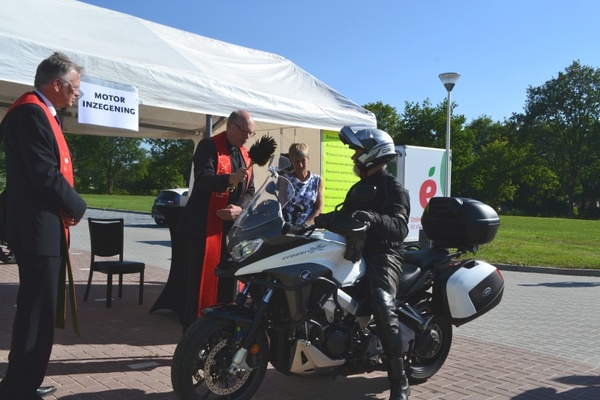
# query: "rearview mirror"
{"type": "Point", "coordinates": [284, 163]}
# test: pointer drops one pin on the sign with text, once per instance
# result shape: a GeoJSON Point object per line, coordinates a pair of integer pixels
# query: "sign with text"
{"type": "Point", "coordinates": [109, 104]}
{"type": "Point", "coordinates": [336, 170]}
{"type": "Point", "coordinates": [421, 171]}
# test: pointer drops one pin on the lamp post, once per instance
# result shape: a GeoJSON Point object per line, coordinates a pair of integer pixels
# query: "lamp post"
{"type": "Point", "coordinates": [449, 79]}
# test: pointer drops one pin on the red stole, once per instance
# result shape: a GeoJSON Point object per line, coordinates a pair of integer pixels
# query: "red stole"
{"type": "Point", "coordinates": [66, 169]}
{"type": "Point", "coordinates": [214, 225]}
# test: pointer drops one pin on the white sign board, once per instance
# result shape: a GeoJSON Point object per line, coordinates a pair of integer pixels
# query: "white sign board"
{"type": "Point", "coordinates": [108, 104]}
{"type": "Point", "coordinates": [421, 171]}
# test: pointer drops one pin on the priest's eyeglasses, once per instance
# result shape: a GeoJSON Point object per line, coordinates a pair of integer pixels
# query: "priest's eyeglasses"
{"type": "Point", "coordinates": [246, 131]}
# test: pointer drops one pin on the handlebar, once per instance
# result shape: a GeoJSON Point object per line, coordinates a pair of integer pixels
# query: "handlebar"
{"type": "Point", "coordinates": [353, 230]}
{"type": "Point", "coordinates": [296, 229]}
{"type": "Point", "coordinates": [335, 222]}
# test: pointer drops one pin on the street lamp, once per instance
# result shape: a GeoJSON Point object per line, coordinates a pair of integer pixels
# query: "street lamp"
{"type": "Point", "coordinates": [449, 79]}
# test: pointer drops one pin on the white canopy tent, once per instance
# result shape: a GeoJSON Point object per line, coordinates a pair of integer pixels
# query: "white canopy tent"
{"type": "Point", "coordinates": [181, 77]}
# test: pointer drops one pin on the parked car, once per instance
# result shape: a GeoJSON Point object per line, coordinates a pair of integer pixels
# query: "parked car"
{"type": "Point", "coordinates": [167, 197]}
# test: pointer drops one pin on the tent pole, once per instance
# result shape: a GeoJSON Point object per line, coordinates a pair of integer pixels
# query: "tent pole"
{"type": "Point", "coordinates": [207, 134]}
{"type": "Point", "coordinates": [208, 126]}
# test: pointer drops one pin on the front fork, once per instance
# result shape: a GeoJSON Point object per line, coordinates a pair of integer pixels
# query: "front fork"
{"type": "Point", "coordinates": [238, 361]}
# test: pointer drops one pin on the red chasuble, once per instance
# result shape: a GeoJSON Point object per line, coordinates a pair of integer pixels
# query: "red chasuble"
{"type": "Point", "coordinates": [214, 226]}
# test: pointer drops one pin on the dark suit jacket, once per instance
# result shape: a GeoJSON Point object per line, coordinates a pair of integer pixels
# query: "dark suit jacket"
{"type": "Point", "coordinates": [36, 190]}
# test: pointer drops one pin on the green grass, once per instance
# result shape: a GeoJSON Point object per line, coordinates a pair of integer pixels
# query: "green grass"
{"type": "Point", "coordinates": [528, 241]}
{"type": "Point", "coordinates": [548, 242]}
{"type": "Point", "coordinates": [120, 202]}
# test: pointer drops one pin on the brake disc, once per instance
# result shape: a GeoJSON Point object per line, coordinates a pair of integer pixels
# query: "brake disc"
{"type": "Point", "coordinates": [216, 377]}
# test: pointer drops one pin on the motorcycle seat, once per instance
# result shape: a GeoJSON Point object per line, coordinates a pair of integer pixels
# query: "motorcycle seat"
{"type": "Point", "coordinates": [425, 257]}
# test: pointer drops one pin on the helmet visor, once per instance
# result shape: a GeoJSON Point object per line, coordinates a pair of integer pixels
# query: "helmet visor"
{"type": "Point", "coordinates": [348, 136]}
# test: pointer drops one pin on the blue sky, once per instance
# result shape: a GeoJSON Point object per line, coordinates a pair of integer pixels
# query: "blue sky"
{"type": "Point", "coordinates": [393, 50]}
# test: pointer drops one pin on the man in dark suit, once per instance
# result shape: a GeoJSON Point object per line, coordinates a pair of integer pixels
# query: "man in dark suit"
{"type": "Point", "coordinates": [41, 205]}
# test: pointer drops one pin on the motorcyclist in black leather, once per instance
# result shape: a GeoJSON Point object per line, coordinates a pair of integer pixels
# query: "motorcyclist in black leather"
{"type": "Point", "coordinates": [387, 215]}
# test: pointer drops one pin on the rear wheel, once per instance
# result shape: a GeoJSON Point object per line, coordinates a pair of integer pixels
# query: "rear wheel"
{"type": "Point", "coordinates": [199, 368]}
{"type": "Point", "coordinates": [430, 351]}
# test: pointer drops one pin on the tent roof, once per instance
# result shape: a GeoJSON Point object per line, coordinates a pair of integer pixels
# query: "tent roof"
{"type": "Point", "coordinates": [181, 77]}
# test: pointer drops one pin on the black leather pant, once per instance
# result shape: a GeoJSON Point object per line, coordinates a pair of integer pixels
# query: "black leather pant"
{"type": "Point", "coordinates": [384, 274]}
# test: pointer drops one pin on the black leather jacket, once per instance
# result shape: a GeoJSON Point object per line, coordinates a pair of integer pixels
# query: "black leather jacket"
{"type": "Point", "coordinates": [391, 210]}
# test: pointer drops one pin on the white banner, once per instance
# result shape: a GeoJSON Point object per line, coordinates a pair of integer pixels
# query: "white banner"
{"type": "Point", "coordinates": [421, 171]}
{"type": "Point", "coordinates": [109, 104]}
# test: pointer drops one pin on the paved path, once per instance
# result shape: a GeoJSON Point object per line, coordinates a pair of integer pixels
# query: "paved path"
{"type": "Point", "coordinates": [541, 342]}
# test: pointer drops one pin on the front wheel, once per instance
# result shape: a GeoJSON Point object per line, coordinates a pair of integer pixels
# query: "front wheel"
{"type": "Point", "coordinates": [202, 356]}
{"type": "Point", "coordinates": [430, 351]}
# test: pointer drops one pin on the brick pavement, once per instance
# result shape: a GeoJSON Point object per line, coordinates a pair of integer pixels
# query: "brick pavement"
{"type": "Point", "coordinates": [125, 352]}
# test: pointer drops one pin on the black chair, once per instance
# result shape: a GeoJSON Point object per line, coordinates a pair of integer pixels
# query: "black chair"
{"type": "Point", "coordinates": [106, 237]}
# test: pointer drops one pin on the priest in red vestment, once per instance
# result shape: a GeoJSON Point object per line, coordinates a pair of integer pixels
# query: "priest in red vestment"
{"type": "Point", "coordinates": [220, 163]}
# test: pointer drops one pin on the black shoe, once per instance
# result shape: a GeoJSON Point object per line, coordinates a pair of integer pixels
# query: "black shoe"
{"type": "Point", "coordinates": [399, 389]}
{"type": "Point", "coordinates": [44, 391]}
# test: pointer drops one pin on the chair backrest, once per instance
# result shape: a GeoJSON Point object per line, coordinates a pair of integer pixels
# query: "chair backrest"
{"type": "Point", "coordinates": [106, 236]}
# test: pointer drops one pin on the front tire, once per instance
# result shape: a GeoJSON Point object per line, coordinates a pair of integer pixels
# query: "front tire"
{"type": "Point", "coordinates": [199, 368]}
{"type": "Point", "coordinates": [427, 359]}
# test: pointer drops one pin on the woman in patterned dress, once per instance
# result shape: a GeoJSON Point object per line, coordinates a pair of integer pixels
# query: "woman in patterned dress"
{"type": "Point", "coordinates": [308, 187]}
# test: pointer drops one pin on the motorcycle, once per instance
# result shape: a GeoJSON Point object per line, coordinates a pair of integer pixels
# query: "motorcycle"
{"type": "Point", "coordinates": [304, 307]}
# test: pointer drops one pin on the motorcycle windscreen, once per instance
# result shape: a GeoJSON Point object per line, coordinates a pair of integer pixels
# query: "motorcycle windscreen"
{"type": "Point", "coordinates": [265, 206]}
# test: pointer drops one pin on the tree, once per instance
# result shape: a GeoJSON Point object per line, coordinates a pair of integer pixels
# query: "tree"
{"type": "Point", "coordinates": [170, 164]}
{"type": "Point", "coordinates": [488, 177]}
{"type": "Point", "coordinates": [538, 189]}
{"type": "Point", "coordinates": [590, 191]}
{"type": "Point", "coordinates": [496, 173]}
{"type": "Point", "coordinates": [561, 121]}
{"type": "Point", "coordinates": [425, 125]}
{"type": "Point", "coordinates": [102, 162]}
{"type": "Point", "coordinates": [387, 117]}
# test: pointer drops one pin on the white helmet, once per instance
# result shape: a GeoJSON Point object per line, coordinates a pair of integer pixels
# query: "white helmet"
{"type": "Point", "coordinates": [378, 146]}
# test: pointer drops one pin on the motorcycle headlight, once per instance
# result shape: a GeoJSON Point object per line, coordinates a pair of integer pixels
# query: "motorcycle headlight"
{"type": "Point", "coordinates": [245, 249]}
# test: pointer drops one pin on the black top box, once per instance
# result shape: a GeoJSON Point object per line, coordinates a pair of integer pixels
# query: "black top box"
{"type": "Point", "coordinates": [459, 222]}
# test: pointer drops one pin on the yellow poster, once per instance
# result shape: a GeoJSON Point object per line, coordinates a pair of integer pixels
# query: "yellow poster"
{"type": "Point", "coordinates": [336, 170]}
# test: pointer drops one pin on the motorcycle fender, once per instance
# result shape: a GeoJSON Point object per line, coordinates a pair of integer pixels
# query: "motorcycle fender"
{"type": "Point", "coordinates": [226, 268]}
{"type": "Point", "coordinates": [229, 311]}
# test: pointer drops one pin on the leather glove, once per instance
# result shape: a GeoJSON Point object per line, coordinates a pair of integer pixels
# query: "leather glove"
{"type": "Point", "coordinates": [322, 221]}
{"type": "Point", "coordinates": [363, 216]}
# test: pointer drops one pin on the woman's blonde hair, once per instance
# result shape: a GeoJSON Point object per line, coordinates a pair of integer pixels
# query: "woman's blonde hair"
{"type": "Point", "coordinates": [298, 151]}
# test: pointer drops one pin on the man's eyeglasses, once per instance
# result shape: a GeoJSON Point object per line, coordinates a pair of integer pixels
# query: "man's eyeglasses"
{"type": "Point", "coordinates": [247, 132]}
{"type": "Point", "coordinates": [73, 87]}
